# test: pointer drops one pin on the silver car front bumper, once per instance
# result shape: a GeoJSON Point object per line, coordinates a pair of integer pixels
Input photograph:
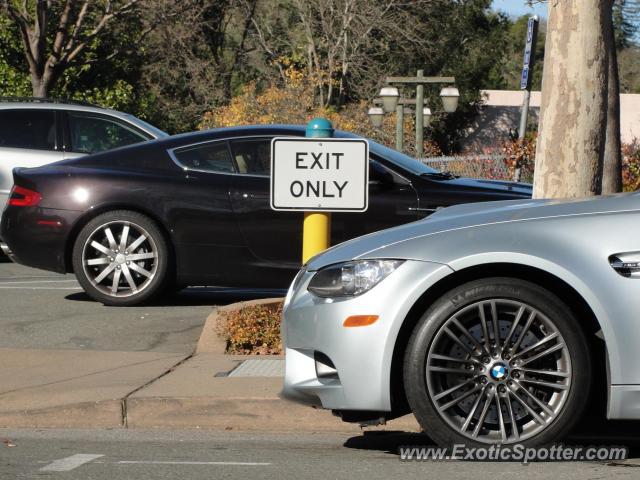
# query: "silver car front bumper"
{"type": "Point", "coordinates": [338, 368]}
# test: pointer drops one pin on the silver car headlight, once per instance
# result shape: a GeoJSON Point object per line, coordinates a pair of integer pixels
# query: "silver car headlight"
{"type": "Point", "coordinates": [350, 279]}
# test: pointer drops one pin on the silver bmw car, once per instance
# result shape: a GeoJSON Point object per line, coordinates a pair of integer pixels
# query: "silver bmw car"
{"type": "Point", "coordinates": [492, 323]}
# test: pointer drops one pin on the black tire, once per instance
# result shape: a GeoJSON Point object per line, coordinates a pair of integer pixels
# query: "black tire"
{"type": "Point", "coordinates": [160, 264]}
{"type": "Point", "coordinates": [440, 423]}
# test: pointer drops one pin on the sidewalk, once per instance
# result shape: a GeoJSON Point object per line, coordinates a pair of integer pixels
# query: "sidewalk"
{"type": "Point", "coordinates": [79, 388]}
{"type": "Point", "coordinates": [73, 388]}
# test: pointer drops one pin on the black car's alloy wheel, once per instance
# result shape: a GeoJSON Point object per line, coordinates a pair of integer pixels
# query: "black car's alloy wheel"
{"type": "Point", "coordinates": [497, 361]}
{"type": "Point", "coordinates": [120, 258]}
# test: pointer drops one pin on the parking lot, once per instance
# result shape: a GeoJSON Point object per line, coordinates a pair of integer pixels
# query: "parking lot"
{"type": "Point", "coordinates": [44, 310]}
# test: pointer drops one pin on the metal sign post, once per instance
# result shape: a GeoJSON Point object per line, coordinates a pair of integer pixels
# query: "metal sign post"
{"type": "Point", "coordinates": [526, 79]}
{"type": "Point", "coordinates": [527, 72]}
{"type": "Point", "coordinates": [319, 175]}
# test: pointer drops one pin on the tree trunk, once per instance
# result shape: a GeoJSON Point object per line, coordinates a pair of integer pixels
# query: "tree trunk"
{"type": "Point", "coordinates": [42, 83]}
{"type": "Point", "coordinates": [39, 87]}
{"type": "Point", "coordinates": [574, 107]}
{"type": "Point", "coordinates": [612, 161]}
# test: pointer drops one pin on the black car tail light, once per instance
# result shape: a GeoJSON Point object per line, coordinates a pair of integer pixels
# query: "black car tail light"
{"type": "Point", "coordinates": [23, 197]}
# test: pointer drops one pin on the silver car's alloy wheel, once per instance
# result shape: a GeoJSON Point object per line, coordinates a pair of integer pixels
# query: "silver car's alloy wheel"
{"type": "Point", "coordinates": [498, 371]}
{"type": "Point", "coordinates": [120, 258]}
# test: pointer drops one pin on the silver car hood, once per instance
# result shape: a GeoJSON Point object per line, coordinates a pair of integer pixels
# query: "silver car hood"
{"type": "Point", "coordinates": [469, 216]}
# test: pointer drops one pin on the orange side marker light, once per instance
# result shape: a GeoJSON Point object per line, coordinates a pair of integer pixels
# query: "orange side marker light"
{"type": "Point", "coordinates": [360, 320]}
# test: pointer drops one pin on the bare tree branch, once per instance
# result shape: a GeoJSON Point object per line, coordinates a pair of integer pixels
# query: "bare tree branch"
{"type": "Point", "coordinates": [108, 16]}
{"type": "Point", "coordinates": [22, 23]}
{"type": "Point", "coordinates": [70, 39]}
{"type": "Point", "coordinates": [77, 26]}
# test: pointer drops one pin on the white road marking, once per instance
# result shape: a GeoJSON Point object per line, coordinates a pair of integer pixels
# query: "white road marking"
{"type": "Point", "coordinates": [27, 277]}
{"type": "Point", "coordinates": [158, 462]}
{"type": "Point", "coordinates": [69, 463]}
{"type": "Point", "coordinates": [40, 288]}
{"type": "Point", "coordinates": [36, 281]}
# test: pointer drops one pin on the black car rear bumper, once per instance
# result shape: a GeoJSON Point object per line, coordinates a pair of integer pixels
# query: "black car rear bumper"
{"type": "Point", "coordinates": [37, 237]}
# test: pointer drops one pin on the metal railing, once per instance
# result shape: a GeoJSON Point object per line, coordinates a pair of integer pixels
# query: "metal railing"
{"type": "Point", "coordinates": [491, 167]}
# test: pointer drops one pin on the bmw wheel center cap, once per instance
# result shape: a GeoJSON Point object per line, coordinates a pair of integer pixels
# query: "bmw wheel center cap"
{"type": "Point", "coordinates": [498, 372]}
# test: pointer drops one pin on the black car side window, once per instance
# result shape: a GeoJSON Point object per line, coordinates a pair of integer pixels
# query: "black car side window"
{"type": "Point", "coordinates": [379, 174]}
{"type": "Point", "coordinates": [252, 156]}
{"type": "Point", "coordinates": [208, 157]}
{"type": "Point", "coordinates": [34, 129]}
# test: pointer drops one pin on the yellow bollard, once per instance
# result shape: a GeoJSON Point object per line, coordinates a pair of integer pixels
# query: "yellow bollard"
{"type": "Point", "coordinates": [316, 229]}
{"type": "Point", "coordinates": [316, 235]}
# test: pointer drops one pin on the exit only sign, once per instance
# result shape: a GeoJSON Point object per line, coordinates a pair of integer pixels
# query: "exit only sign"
{"type": "Point", "coordinates": [319, 174]}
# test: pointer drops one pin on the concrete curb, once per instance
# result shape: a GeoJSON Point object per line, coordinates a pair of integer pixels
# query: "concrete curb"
{"type": "Point", "coordinates": [100, 414]}
{"type": "Point", "coordinates": [264, 414]}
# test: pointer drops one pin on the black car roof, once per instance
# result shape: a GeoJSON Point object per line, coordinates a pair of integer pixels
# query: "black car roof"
{"type": "Point", "coordinates": [242, 131]}
{"type": "Point", "coordinates": [190, 138]}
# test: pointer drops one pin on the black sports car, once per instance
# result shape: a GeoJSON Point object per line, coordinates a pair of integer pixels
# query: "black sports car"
{"type": "Point", "coordinates": [193, 209]}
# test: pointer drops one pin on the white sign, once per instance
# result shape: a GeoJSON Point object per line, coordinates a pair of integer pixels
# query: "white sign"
{"type": "Point", "coordinates": [319, 174]}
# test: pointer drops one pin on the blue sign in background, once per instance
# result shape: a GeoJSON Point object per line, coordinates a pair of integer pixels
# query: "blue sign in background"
{"type": "Point", "coordinates": [527, 64]}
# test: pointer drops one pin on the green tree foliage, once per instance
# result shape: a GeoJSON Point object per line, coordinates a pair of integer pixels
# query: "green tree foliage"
{"type": "Point", "coordinates": [197, 63]}
{"type": "Point", "coordinates": [512, 67]}
{"type": "Point", "coordinates": [14, 76]}
{"type": "Point", "coordinates": [472, 49]}
{"type": "Point", "coordinates": [170, 61]}
{"type": "Point", "coordinates": [114, 83]}
{"type": "Point", "coordinates": [91, 50]}
{"type": "Point", "coordinates": [348, 61]}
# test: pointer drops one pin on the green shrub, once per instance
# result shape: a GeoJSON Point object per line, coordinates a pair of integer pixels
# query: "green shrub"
{"type": "Point", "coordinates": [252, 330]}
{"type": "Point", "coordinates": [631, 165]}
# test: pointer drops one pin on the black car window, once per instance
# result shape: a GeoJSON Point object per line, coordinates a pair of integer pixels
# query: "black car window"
{"type": "Point", "coordinates": [252, 156]}
{"type": "Point", "coordinates": [33, 129]}
{"type": "Point", "coordinates": [91, 133]}
{"type": "Point", "coordinates": [208, 157]}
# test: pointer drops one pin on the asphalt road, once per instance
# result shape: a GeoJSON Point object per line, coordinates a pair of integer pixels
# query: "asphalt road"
{"type": "Point", "coordinates": [39, 309]}
{"type": "Point", "coordinates": [45, 310]}
{"type": "Point", "coordinates": [187, 455]}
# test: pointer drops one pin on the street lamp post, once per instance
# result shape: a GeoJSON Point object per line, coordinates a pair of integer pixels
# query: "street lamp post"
{"type": "Point", "coordinates": [400, 126]}
{"type": "Point", "coordinates": [376, 115]}
{"type": "Point", "coordinates": [390, 99]}
{"type": "Point", "coordinates": [450, 97]}
{"type": "Point", "coordinates": [419, 117]}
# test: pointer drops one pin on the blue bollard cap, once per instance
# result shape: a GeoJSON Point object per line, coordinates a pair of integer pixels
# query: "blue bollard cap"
{"type": "Point", "coordinates": [319, 128]}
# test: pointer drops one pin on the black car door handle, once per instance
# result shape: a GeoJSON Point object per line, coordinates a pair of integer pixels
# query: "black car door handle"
{"type": "Point", "coordinates": [253, 196]}
{"type": "Point", "coordinates": [425, 210]}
